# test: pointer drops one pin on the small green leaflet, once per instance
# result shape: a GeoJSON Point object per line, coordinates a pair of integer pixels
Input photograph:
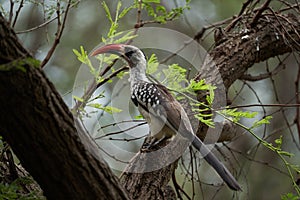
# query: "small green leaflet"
{"type": "Point", "coordinates": [78, 98]}
{"type": "Point", "coordinates": [151, 1]}
{"type": "Point", "coordinates": [152, 64]}
{"type": "Point", "coordinates": [265, 120]}
{"type": "Point", "coordinates": [237, 115]}
{"type": "Point", "coordinates": [83, 57]}
{"type": "Point", "coordinates": [108, 109]}
{"type": "Point", "coordinates": [139, 117]}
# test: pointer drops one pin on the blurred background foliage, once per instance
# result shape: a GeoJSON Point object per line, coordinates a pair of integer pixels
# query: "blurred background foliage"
{"type": "Point", "coordinates": [263, 175]}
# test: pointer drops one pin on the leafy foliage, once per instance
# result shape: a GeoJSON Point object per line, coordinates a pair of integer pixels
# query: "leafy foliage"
{"type": "Point", "coordinates": [236, 115]}
{"type": "Point", "coordinates": [152, 64]}
{"type": "Point", "coordinates": [14, 190]}
{"type": "Point", "coordinates": [114, 23]}
{"type": "Point", "coordinates": [175, 77]}
{"type": "Point", "coordinates": [113, 36]}
{"type": "Point", "coordinates": [82, 56]}
{"type": "Point", "coordinates": [108, 109]}
{"type": "Point", "coordinates": [290, 196]}
{"type": "Point", "coordinates": [275, 148]}
{"type": "Point", "coordinates": [159, 13]}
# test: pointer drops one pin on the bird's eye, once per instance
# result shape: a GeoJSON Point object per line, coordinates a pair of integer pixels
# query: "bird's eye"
{"type": "Point", "coordinates": [129, 54]}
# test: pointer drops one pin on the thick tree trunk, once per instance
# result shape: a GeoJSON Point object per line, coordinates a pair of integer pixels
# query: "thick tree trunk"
{"type": "Point", "coordinates": [41, 130]}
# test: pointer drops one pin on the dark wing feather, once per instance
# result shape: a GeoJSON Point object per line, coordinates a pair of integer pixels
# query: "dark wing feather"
{"type": "Point", "coordinates": [176, 117]}
{"type": "Point", "coordinates": [177, 120]}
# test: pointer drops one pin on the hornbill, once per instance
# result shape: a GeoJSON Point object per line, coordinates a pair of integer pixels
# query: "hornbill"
{"type": "Point", "coordinates": [163, 113]}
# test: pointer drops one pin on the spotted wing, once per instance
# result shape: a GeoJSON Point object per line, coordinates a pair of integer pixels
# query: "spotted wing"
{"type": "Point", "coordinates": [159, 102]}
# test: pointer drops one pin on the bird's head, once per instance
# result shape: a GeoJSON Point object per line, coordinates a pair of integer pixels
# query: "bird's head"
{"type": "Point", "coordinates": [133, 55]}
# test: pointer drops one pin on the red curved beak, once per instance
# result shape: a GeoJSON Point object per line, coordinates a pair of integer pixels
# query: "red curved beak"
{"type": "Point", "coordinates": [110, 48]}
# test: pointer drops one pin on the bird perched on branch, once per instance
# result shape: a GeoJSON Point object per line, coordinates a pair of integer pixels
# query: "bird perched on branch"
{"type": "Point", "coordinates": [163, 113]}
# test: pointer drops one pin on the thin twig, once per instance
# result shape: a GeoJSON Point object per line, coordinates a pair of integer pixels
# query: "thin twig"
{"type": "Point", "coordinates": [91, 89]}
{"type": "Point", "coordinates": [11, 11]}
{"type": "Point", "coordinates": [258, 161]}
{"type": "Point", "coordinates": [262, 105]}
{"type": "Point", "coordinates": [192, 169]}
{"type": "Point", "coordinates": [138, 16]}
{"type": "Point", "coordinates": [297, 117]}
{"type": "Point", "coordinates": [233, 23]}
{"type": "Point", "coordinates": [17, 13]}
{"type": "Point", "coordinates": [37, 27]}
{"type": "Point", "coordinates": [121, 131]}
{"type": "Point", "coordinates": [177, 51]}
{"type": "Point", "coordinates": [115, 73]}
{"type": "Point", "coordinates": [60, 28]}
{"type": "Point", "coordinates": [178, 189]}
{"type": "Point", "coordinates": [126, 139]}
{"type": "Point", "coordinates": [200, 33]}
{"type": "Point", "coordinates": [46, 22]}
{"type": "Point", "coordinates": [279, 67]}
{"type": "Point", "coordinates": [289, 6]}
{"type": "Point", "coordinates": [245, 5]}
{"type": "Point", "coordinates": [259, 12]}
{"type": "Point", "coordinates": [121, 122]}
{"type": "Point", "coordinates": [112, 156]}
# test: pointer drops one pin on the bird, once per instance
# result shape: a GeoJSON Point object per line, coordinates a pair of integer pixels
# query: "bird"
{"type": "Point", "coordinates": [163, 113]}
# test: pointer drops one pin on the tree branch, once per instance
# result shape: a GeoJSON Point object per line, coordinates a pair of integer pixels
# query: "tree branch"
{"type": "Point", "coordinates": [60, 28]}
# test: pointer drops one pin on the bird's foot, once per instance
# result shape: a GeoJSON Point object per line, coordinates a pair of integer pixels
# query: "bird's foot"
{"type": "Point", "coordinates": [146, 147]}
{"type": "Point", "coordinates": [154, 144]}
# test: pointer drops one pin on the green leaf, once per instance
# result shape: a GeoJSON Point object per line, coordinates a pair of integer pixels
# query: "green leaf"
{"type": "Point", "coordinates": [78, 98]}
{"type": "Point", "coordinates": [152, 64]}
{"type": "Point", "coordinates": [204, 119]}
{"type": "Point", "coordinates": [126, 37]}
{"type": "Point", "coordinates": [151, 1]}
{"type": "Point", "coordinates": [83, 57]}
{"type": "Point", "coordinates": [278, 141]}
{"type": "Point", "coordinates": [175, 77]}
{"type": "Point", "coordinates": [108, 109]}
{"type": "Point", "coordinates": [159, 12]}
{"type": "Point", "coordinates": [99, 96]}
{"type": "Point", "coordinates": [119, 5]}
{"type": "Point", "coordinates": [237, 115]}
{"type": "Point", "coordinates": [125, 11]}
{"type": "Point", "coordinates": [103, 40]}
{"type": "Point", "coordinates": [210, 98]}
{"type": "Point", "coordinates": [107, 11]}
{"type": "Point", "coordinates": [200, 85]}
{"type": "Point", "coordinates": [290, 196]}
{"type": "Point", "coordinates": [161, 9]}
{"type": "Point", "coordinates": [113, 29]}
{"type": "Point", "coordinates": [108, 59]}
{"type": "Point", "coordinates": [286, 153]}
{"type": "Point", "coordinates": [121, 74]}
{"type": "Point", "coordinates": [139, 117]}
{"type": "Point", "coordinates": [263, 121]}
{"type": "Point", "coordinates": [111, 110]}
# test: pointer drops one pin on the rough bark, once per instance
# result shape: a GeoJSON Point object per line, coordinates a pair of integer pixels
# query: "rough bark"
{"type": "Point", "coordinates": [149, 172]}
{"type": "Point", "coordinates": [272, 36]}
{"type": "Point", "coordinates": [41, 130]}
